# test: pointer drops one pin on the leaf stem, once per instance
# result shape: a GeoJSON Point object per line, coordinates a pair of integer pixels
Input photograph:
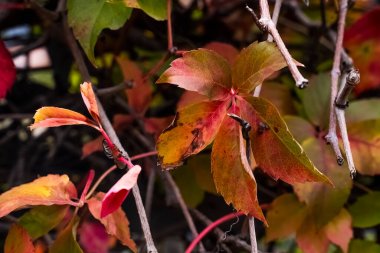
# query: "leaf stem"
{"type": "Point", "coordinates": [169, 23]}
{"type": "Point", "coordinates": [143, 155]}
{"type": "Point", "coordinates": [101, 178]}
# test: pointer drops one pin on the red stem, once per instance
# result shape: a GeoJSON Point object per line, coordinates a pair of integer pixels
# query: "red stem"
{"type": "Point", "coordinates": [210, 228]}
{"type": "Point", "coordinates": [12, 6]}
{"type": "Point", "coordinates": [143, 155]}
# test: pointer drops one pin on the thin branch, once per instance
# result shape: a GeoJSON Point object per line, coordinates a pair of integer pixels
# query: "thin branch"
{"type": "Point", "coordinates": [143, 155]}
{"type": "Point", "coordinates": [266, 24]}
{"type": "Point", "coordinates": [112, 134]}
{"type": "Point", "coordinates": [115, 89]}
{"type": "Point", "coordinates": [150, 191]}
{"type": "Point", "coordinates": [331, 136]}
{"type": "Point", "coordinates": [252, 235]}
{"type": "Point", "coordinates": [168, 177]}
{"type": "Point", "coordinates": [169, 23]}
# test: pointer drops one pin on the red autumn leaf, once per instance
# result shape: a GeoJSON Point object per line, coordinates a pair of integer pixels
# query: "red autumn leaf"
{"type": "Point", "coordinates": [230, 167]}
{"type": "Point", "coordinates": [89, 99]}
{"type": "Point", "coordinates": [93, 237]}
{"type": "Point", "coordinates": [92, 146]}
{"type": "Point", "coordinates": [50, 116]}
{"type": "Point", "coordinates": [116, 223]}
{"type": "Point", "coordinates": [339, 230]}
{"type": "Point", "coordinates": [66, 240]}
{"type": "Point", "coordinates": [7, 70]}
{"type": "Point", "coordinates": [225, 50]}
{"type": "Point", "coordinates": [48, 190]}
{"type": "Point", "coordinates": [203, 71]}
{"type": "Point", "coordinates": [122, 121]}
{"type": "Point", "coordinates": [119, 191]}
{"type": "Point", "coordinates": [276, 151]}
{"type": "Point", "coordinates": [140, 95]}
{"type": "Point", "coordinates": [193, 128]}
{"type": "Point", "coordinates": [362, 41]}
{"type": "Point", "coordinates": [155, 126]}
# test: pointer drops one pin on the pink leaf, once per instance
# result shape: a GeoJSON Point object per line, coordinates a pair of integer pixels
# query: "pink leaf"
{"type": "Point", "coordinates": [7, 70]}
{"type": "Point", "coordinates": [89, 180]}
{"type": "Point", "coordinates": [117, 194]}
{"type": "Point", "coordinates": [93, 237]}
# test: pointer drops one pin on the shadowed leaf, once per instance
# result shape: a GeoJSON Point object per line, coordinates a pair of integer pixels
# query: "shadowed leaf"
{"type": "Point", "coordinates": [140, 94]}
{"type": "Point", "coordinates": [360, 246]}
{"type": "Point", "coordinates": [66, 240]}
{"type": "Point", "coordinates": [93, 237]}
{"type": "Point", "coordinates": [276, 152]}
{"type": "Point", "coordinates": [311, 238]}
{"type": "Point", "coordinates": [339, 230]}
{"type": "Point", "coordinates": [366, 210]}
{"type": "Point", "coordinates": [48, 190]}
{"type": "Point", "coordinates": [254, 64]}
{"type": "Point", "coordinates": [116, 224]}
{"type": "Point", "coordinates": [41, 219]}
{"type": "Point", "coordinates": [193, 129]}
{"type": "Point", "coordinates": [226, 50]}
{"type": "Point", "coordinates": [230, 167]}
{"type": "Point", "coordinates": [284, 216]}
{"type": "Point", "coordinates": [18, 241]}
{"type": "Point", "coordinates": [92, 146]}
{"type": "Point", "coordinates": [203, 71]}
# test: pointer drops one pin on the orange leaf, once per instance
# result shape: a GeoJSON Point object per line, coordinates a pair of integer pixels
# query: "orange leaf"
{"type": "Point", "coordinates": [48, 190]}
{"type": "Point", "coordinates": [232, 174]}
{"type": "Point", "coordinates": [18, 241]}
{"type": "Point", "coordinates": [89, 99]}
{"type": "Point", "coordinates": [92, 146]}
{"type": "Point", "coordinates": [116, 223]}
{"type": "Point", "coordinates": [50, 116]}
{"type": "Point", "coordinates": [193, 128]}
{"type": "Point", "coordinates": [140, 95]}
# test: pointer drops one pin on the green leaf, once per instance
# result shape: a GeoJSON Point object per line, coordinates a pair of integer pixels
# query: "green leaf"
{"type": "Point", "coordinates": [316, 100]}
{"type": "Point", "coordinates": [232, 174]}
{"type": "Point", "coordinates": [192, 130]}
{"type": "Point", "coordinates": [366, 210]}
{"type": "Point", "coordinates": [18, 241]}
{"type": "Point", "coordinates": [66, 240]}
{"type": "Point", "coordinates": [89, 18]}
{"type": "Point", "coordinates": [284, 216]}
{"type": "Point", "coordinates": [361, 110]}
{"type": "Point", "coordinates": [41, 219]}
{"type": "Point", "coordinates": [300, 128]}
{"type": "Point", "coordinates": [203, 71]}
{"type": "Point", "coordinates": [361, 246]}
{"type": "Point", "coordinates": [154, 8]}
{"type": "Point", "coordinates": [276, 152]}
{"type": "Point", "coordinates": [254, 64]}
{"type": "Point", "coordinates": [320, 196]}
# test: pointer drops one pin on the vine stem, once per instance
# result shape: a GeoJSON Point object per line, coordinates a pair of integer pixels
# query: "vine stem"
{"type": "Point", "coordinates": [111, 133]}
{"type": "Point", "coordinates": [101, 178]}
{"type": "Point", "coordinates": [210, 228]}
{"type": "Point", "coordinates": [266, 24]}
{"type": "Point", "coordinates": [331, 136]}
{"type": "Point", "coordinates": [143, 155]}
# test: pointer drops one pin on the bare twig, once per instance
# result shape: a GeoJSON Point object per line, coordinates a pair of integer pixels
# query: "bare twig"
{"type": "Point", "coordinates": [275, 15]}
{"type": "Point", "coordinates": [331, 136]}
{"type": "Point", "coordinates": [265, 23]}
{"type": "Point", "coordinates": [252, 235]}
{"type": "Point", "coordinates": [115, 89]}
{"type": "Point", "coordinates": [112, 134]}
{"type": "Point", "coordinates": [349, 81]}
{"type": "Point", "coordinates": [150, 191]}
{"type": "Point", "coordinates": [168, 177]}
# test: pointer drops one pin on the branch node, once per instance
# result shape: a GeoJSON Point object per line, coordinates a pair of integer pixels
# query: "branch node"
{"type": "Point", "coordinates": [352, 80]}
